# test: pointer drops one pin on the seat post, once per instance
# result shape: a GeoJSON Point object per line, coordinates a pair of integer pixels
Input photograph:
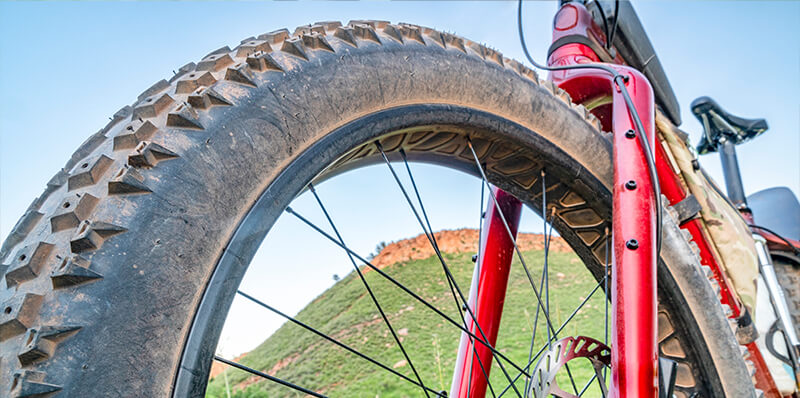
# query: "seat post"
{"type": "Point", "coordinates": [733, 178]}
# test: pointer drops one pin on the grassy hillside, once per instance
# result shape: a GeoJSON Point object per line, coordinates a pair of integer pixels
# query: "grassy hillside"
{"type": "Point", "coordinates": [346, 312]}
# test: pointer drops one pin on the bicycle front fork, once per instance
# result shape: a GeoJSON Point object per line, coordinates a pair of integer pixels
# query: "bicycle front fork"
{"type": "Point", "coordinates": [634, 346]}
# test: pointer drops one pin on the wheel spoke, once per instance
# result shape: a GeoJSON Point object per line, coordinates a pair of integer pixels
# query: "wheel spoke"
{"type": "Point", "coordinates": [560, 328]}
{"type": "Point", "coordinates": [586, 387]}
{"type": "Point", "coordinates": [407, 290]}
{"type": "Point", "coordinates": [451, 282]}
{"type": "Point", "coordinates": [268, 377]}
{"type": "Point", "coordinates": [536, 317]}
{"type": "Point", "coordinates": [450, 278]}
{"type": "Point", "coordinates": [600, 382]}
{"type": "Point", "coordinates": [542, 294]}
{"type": "Point", "coordinates": [477, 287]}
{"type": "Point", "coordinates": [448, 274]}
{"type": "Point", "coordinates": [606, 297]}
{"type": "Point", "coordinates": [332, 340]}
{"type": "Point", "coordinates": [513, 240]}
{"type": "Point", "coordinates": [369, 290]}
{"type": "Point", "coordinates": [545, 274]}
{"type": "Point", "coordinates": [519, 254]}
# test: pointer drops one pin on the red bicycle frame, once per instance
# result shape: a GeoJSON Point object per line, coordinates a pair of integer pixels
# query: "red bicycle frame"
{"type": "Point", "coordinates": [634, 343]}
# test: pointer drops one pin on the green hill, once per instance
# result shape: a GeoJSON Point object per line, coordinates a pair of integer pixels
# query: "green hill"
{"type": "Point", "coordinates": [346, 313]}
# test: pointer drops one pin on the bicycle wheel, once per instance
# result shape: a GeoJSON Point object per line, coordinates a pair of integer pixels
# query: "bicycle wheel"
{"type": "Point", "coordinates": [788, 271]}
{"type": "Point", "coordinates": [117, 276]}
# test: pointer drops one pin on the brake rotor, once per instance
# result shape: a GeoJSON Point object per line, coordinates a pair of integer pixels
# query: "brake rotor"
{"type": "Point", "coordinates": [543, 382]}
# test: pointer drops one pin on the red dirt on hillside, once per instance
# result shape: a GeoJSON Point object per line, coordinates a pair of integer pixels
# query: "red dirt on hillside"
{"type": "Point", "coordinates": [454, 241]}
{"type": "Point", "coordinates": [217, 367]}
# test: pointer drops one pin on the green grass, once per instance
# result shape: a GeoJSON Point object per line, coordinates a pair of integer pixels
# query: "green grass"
{"type": "Point", "coordinates": [347, 313]}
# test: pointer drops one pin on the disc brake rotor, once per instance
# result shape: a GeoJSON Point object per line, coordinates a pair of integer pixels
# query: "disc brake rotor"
{"type": "Point", "coordinates": [544, 383]}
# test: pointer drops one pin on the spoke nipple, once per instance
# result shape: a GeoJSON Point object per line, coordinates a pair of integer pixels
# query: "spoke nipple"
{"type": "Point", "coordinates": [289, 210]}
{"type": "Point", "coordinates": [695, 164]}
{"type": "Point", "coordinates": [443, 394]}
{"type": "Point", "coordinates": [483, 215]}
{"type": "Point", "coordinates": [631, 185]}
{"type": "Point", "coordinates": [625, 78]}
{"type": "Point", "coordinates": [630, 134]}
{"type": "Point", "coordinates": [632, 244]}
{"type": "Point", "coordinates": [474, 258]}
{"type": "Point", "coordinates": [463, 307]}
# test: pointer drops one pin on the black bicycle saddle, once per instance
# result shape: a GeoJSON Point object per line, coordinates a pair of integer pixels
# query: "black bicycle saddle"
{"type": "Point", "coordinates": [720, 126]}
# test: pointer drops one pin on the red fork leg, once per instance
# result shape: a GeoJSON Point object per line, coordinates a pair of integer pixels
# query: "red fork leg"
{"type": "Point", "coordinates": [634, 354]}
{"type": "Point", "coordinates": [634, 347]}
{"type": "Point", "coordinates": [486, 296]}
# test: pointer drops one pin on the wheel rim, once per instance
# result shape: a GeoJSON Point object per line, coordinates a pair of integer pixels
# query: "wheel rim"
{"type": "Point", "coordinates": [501, 145]}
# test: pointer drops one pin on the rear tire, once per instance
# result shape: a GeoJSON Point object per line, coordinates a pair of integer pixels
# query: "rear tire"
{"type": "Point", "coordinates": [116, 276]}
{"type": "Point", "coordinates": [788, 273]}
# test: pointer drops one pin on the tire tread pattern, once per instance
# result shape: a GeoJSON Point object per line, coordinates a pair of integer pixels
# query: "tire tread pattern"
{"type": "Point", "coordinates": [50, 249]}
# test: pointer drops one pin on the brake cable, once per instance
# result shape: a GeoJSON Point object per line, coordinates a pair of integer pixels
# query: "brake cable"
{"type": "Point", "coordinates": [617, 77]}
{"type": "Point", "coordinates": [610, 37]}
{"type": "Point", "coordinates": [609, 33]}
{"type": "Point", "coordinates": [605, 25]}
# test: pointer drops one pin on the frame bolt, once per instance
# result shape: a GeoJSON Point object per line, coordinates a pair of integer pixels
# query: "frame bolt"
{"type": "Point", "coordinates": [631, 185]}
{"type": "Point", "coordinates": [632, 244]}
{"type": "Point", "coordinates": [630, 134]}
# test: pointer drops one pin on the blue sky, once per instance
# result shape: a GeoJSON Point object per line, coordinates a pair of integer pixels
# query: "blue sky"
{"type": "Point", "coordinates": [65, 67]}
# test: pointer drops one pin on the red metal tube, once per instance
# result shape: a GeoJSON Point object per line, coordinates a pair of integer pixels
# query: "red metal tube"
{"type": "Point", "coordinates": [487, 295]}
{"type": "Point", "coordinates": [574, 19]}
{"type": "Point", "coordinates": [634, 345]}
{"type": "Point", "coordinates": [634, 354]}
